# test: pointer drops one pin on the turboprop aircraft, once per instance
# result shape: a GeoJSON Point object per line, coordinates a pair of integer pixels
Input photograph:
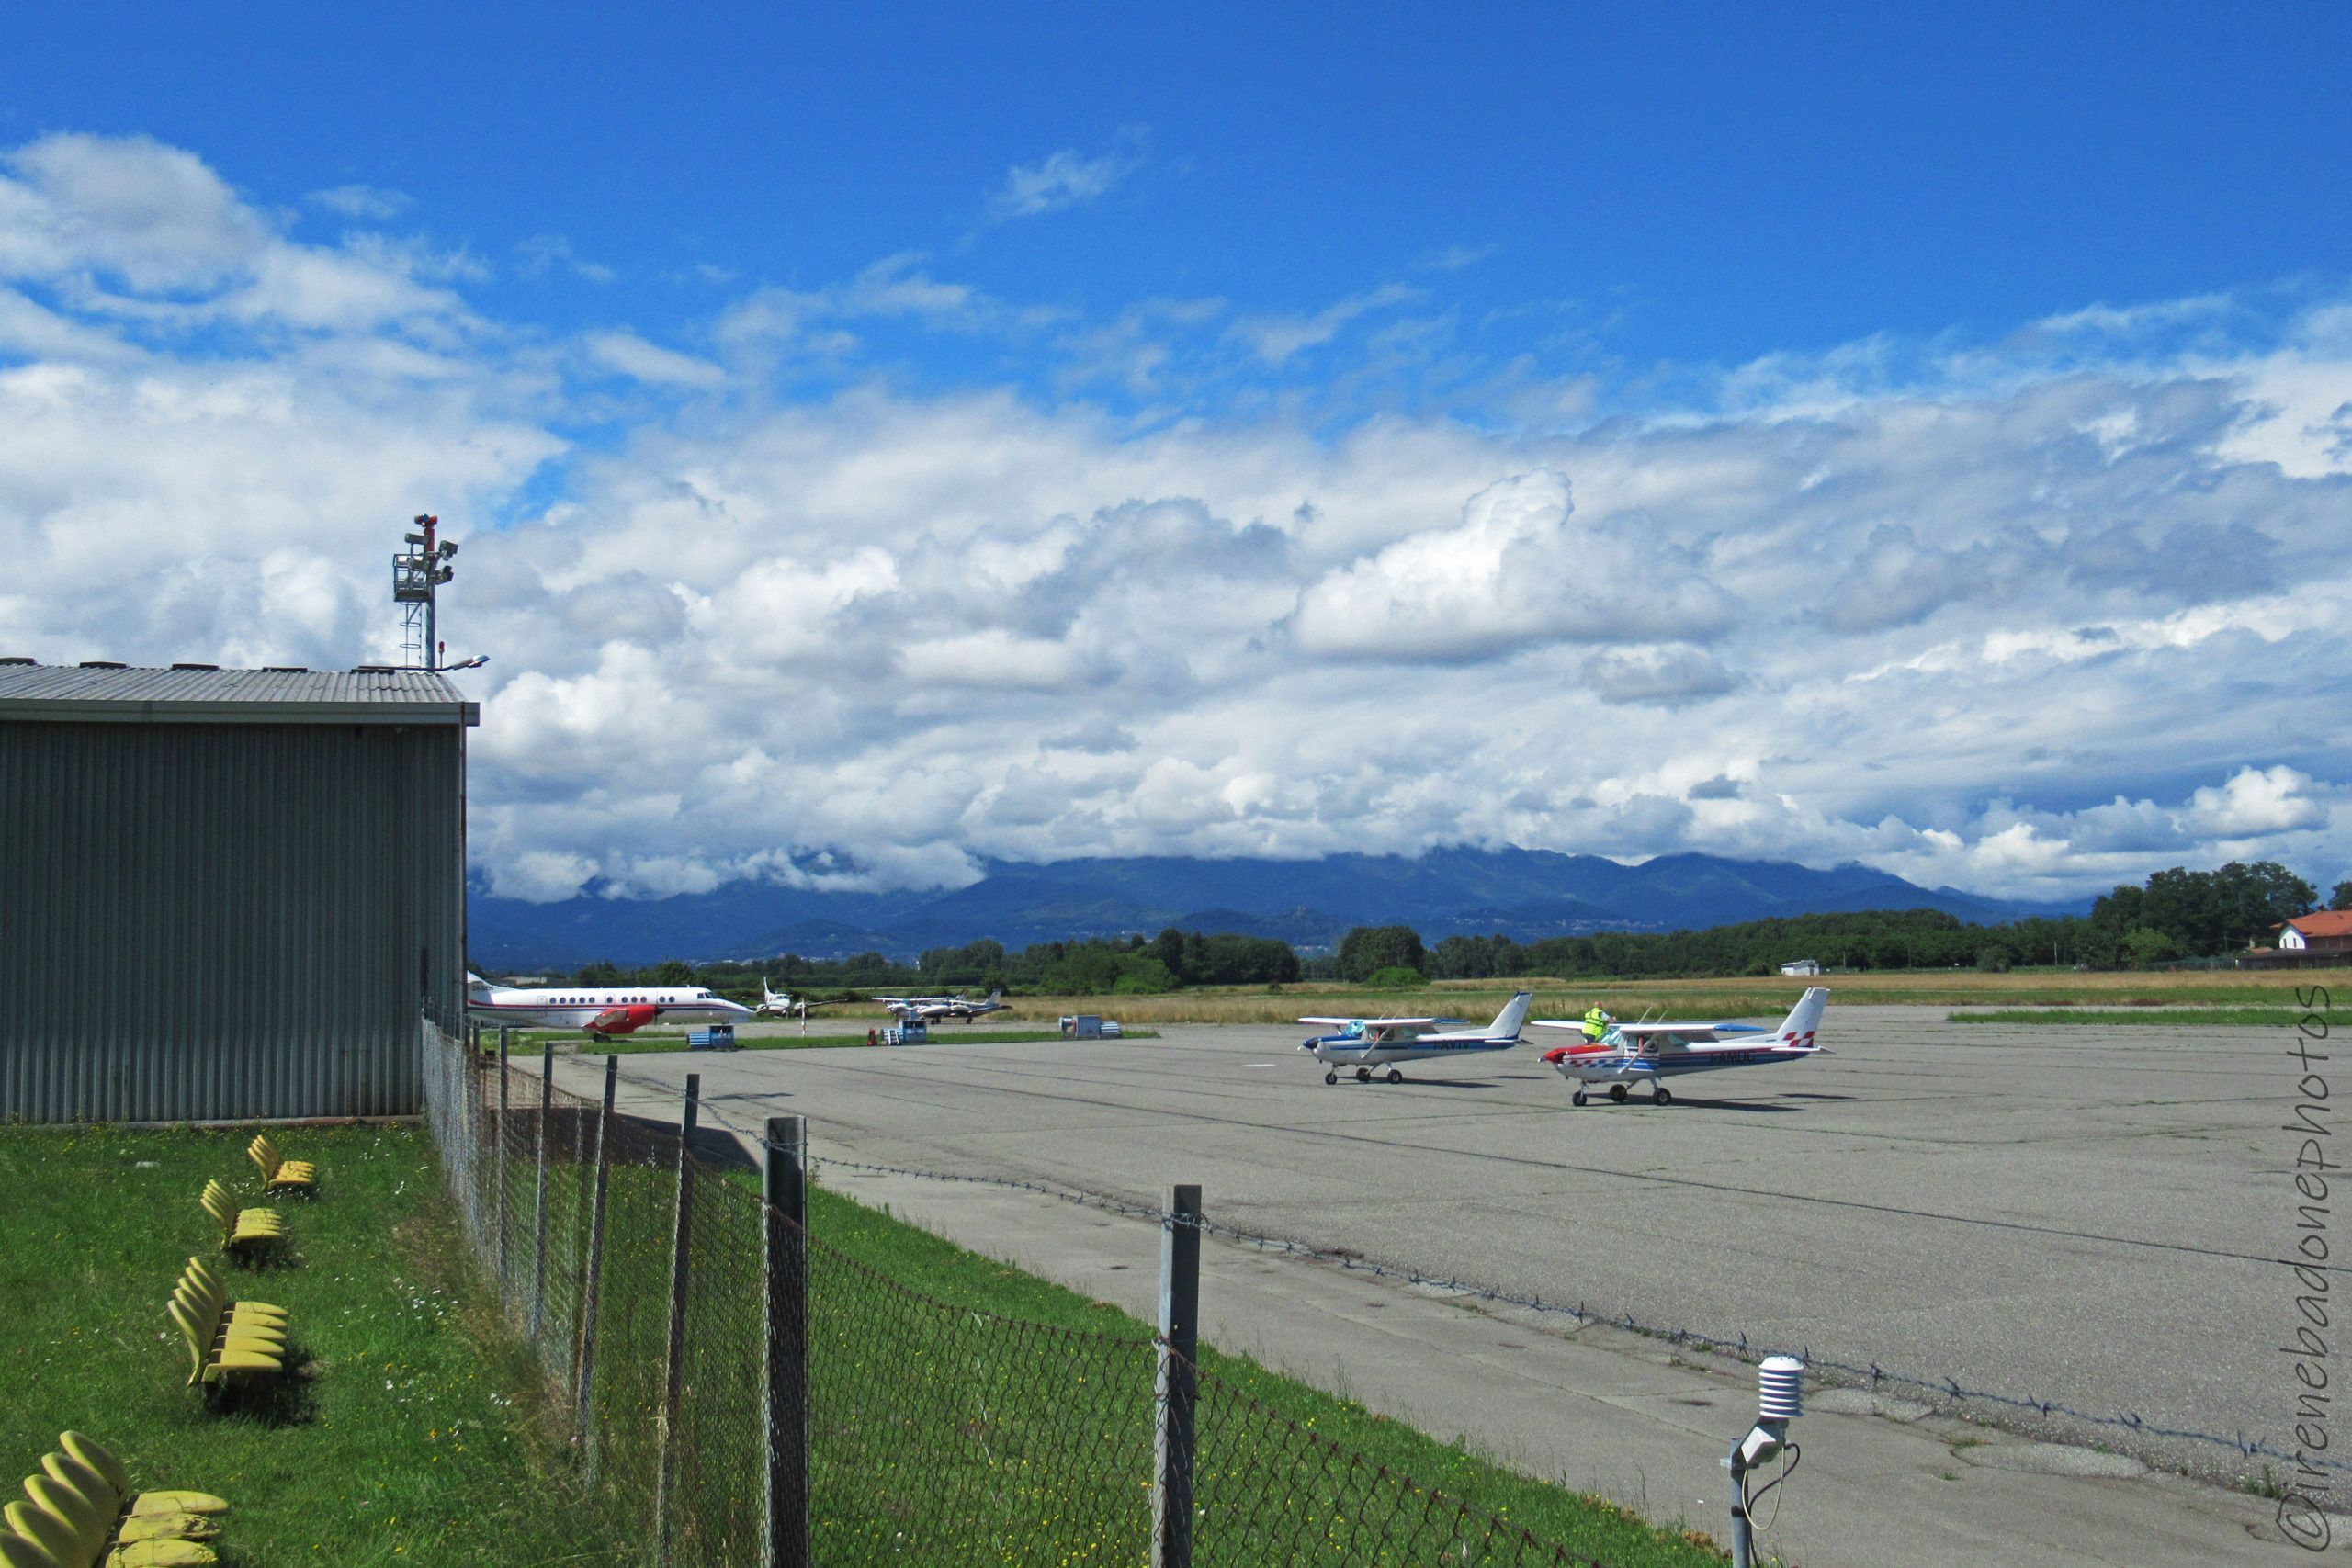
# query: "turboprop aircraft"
{"type": "Point", "coordinates": [1365, 1044]}
{"type": "Point", "coordinates": [602, 1010]}
{"type": "Point", "coordinates": [1652, 1052]}
{"type": "Point", "coordinates": [781, 1004]}
{"type": "Point", "coordinates": [938, 1010]}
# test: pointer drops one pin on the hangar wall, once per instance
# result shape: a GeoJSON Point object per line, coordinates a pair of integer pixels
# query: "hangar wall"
{"type": "Point", "coordinates": [225, 920]}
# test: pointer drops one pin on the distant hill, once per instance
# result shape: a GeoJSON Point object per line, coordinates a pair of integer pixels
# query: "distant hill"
{"type": "Point", "coordinates": [1524, 894]}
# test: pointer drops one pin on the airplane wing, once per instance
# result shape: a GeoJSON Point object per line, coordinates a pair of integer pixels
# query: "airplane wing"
{"type": "Point", "coordinates": [1691, 1033]}
{"type": "Point", "coordinates": [1334, 1021]}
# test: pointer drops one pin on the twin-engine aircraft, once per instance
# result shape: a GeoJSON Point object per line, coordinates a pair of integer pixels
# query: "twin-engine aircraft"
{"type": "Point", "coordinates": [1365, 1044]}
{"type": "Point", "coordinates": [939, 1009]}
{"type": "Point", "coordinates": [784, 1004]}
{"type": "Point", "coordinates": [603, 1010]}
{"type": "Point", "coordinates": [1652, 1052]}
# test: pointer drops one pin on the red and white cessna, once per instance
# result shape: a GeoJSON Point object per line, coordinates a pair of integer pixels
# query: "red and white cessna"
{"type": "Point", "coordinates": [602, 1010]}
{"type": "Point", "coordinates": [1652, 1052]}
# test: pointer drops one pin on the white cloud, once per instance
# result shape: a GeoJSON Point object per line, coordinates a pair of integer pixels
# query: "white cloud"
{"type": "Point", "coordinates": [1065, 179]}
{"type": "Point", "coordinates": [1278, 338]}
{"type": "Point", "coordinates": [631, 355]}
{"type": "Point", "coordinates": [544, 255]}
{"type": "Point", "coordinates": [371, 204]}
{"type": "Point", "coordinates": [2021, 628]}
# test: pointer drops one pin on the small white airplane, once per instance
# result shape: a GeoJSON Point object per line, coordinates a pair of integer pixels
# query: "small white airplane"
{"type": "Point", "coordinates": [782, 1004]}
{"type": "Point", "coordinates": [1652, 1052]}
{"type": "Point", "coordinates": [602, 1012]}
{"type": "Point", "coordinates": [939, 1009]}
{"type": "Point", "coordinates": [1365, 1044]}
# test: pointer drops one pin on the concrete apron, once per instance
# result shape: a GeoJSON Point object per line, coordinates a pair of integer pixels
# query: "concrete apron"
{"type": "Point", "coordinates": [1604, 1411]}
{"type": "Point", "coordinates": [1883, 1483]}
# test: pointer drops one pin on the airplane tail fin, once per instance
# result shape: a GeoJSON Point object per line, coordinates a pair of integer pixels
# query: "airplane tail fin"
{"type": "Point", "coordinates": [1507, 1022]}
{"type": "Point", "coordinates": [1804, 1019]}
{"type": "Point", "coordinates": [995, 997]}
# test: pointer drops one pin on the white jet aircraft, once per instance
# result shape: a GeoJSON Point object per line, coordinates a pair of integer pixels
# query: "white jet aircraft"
{"type": "Point", "coordinates": [1365, 1044]}
{"type": "Point", "coordinates": [602, 1010]}
{"type": "Point", "coordinates": [1652, 1052]}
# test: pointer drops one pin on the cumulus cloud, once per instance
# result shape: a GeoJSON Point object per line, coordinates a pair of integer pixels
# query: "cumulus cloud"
{"type": "Point", "coordinates": [2027, 624]}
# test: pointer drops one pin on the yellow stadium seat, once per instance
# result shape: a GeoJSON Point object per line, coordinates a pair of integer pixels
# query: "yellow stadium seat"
{"type": "Point", "coordinates": [279, 1174]}
{"type": "Point", "coordinates": [78, 1513]}
{"type": "Point", "coordinates": [241, 1228]}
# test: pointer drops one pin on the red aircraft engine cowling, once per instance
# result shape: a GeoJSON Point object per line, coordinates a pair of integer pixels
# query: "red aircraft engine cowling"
{"type": "Point", "coordinates": [623, 1019]}
{"type": "Point", "coordinates": [1557, 1055]}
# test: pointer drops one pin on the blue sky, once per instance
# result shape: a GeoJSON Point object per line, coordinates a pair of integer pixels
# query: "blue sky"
{"type": "Point", "coordinates": [887, 438]}
{"type": "Point", "coordinates": [1692, 183]}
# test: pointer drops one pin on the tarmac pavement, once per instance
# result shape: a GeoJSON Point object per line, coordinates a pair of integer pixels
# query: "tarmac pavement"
{"type": "Point", "coordinates": [2087, 1214]}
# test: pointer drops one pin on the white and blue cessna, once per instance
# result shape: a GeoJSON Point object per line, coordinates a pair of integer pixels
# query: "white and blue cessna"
{"type": "Point", "coordinates": [1365, 1044]}
{"type": "Point", "coordinates": [1651, 1053]}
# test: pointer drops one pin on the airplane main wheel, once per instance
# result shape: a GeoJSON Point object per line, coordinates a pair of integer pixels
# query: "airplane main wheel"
{"type": "Point", "coordinates": [1364, 1075]}
{"type": "Point", "coordinates": [1396, 1077]}
{"type": "Point", "coordinates": [1661, 1095]}
{"type": "Point", "coordinates": [1617, 1093]}
{"type": "Point", "coordinates": [1578, 1098]}
{"type": "Point", "coordinates": [1331, 1077]}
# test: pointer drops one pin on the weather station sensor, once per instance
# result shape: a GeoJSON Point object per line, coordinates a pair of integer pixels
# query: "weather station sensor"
{"type": "Point", "coordinates": [1779, 1400]}
{"type": "Point", "coordinates": [418, 574]}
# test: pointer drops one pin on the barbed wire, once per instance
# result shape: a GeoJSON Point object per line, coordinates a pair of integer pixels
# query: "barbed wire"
{"type": "Point", "coordinates": [1738, 1345]}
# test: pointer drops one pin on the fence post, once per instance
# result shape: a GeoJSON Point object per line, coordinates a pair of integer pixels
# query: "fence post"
{"type": "Point", "coordinates": [785, 1170]}
{"type": "Point", "coordinates": [540, 1202]}
{"type": "Point", "coordinates": [675, 1357]}
{"type": "Point", "coordinates": [499, 1153]}
{"type": "Point", "coordinates": [592, 1271]}
{"type": "Point", "coordinates": [1180, 1348]}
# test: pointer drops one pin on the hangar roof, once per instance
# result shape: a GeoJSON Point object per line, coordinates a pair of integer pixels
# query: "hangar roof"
{"type": "Point", "coordinates": [202, 693]}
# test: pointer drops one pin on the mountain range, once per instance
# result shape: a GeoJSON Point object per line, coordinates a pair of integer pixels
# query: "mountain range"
{"type": "Point", "coordinates": [1525, 894]}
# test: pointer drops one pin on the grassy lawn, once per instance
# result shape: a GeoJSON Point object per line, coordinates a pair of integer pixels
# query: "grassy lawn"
{"type": "Point", "coordinates": [1004, 1392]}
{"type": "Point", "coordinates": [2183, 1017]}
{"type": "Point", "coordinates": [1770, 997]}
{"type": "Point", "coordinates": [406, 1436]}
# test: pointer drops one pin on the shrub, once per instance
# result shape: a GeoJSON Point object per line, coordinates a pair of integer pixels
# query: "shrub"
{"type": "Point", "coordinates": [1394, 978]}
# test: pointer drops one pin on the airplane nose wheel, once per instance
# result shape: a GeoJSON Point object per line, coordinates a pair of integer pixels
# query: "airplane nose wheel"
{"type": "Point", "coordinates": [1617, 1093]}
{"type": "Point", "coordinates": [1364, 1075]}
{"type": "Point", "coordinates": [1396, 1077]}
{"type": "Point", "coordinates": [1578, 1098]}
{"type": "Point", "coordinates": [1331, 1077]}
{"type": "Point", "coordinates": [1661, 1096]}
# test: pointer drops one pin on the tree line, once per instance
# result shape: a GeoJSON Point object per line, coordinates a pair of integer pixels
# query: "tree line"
{"type": "Point", "coordinates": [2175, 914]}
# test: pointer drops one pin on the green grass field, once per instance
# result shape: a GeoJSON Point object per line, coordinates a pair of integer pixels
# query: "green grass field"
{"type": "Point", "coordinates": [1769, 997]}
{"type": "Point", "coordinates": [407, 1436]}
{"type": "Point", "coordinates": [2179, 1017]}
{"type": "Point", "coordinates": [1007, 1391]}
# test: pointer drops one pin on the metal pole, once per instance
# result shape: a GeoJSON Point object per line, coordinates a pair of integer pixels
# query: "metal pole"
{"type": "Point", "coordinates": [1743, 1538]}
{"type": "Point", "coordinates": [1180, 1347]}
{"type": "Point", "coordinates": [501, 1155]}
{"type": "Point", "coordinates": [786, 1173]}
{"type": "Point", "coordinates": [674, 1358]}
{"type": "Point", "coordinates": [539, 1203]}
{"type": "Point", "coordinates": [594, 1272]}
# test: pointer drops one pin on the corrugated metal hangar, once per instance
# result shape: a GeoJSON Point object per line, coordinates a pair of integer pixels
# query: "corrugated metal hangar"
{"type": "Point", "coordinates": [226, 894]}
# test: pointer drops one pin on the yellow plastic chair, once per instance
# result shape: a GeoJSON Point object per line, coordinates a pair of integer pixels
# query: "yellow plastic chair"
{"type": "Point", "coordinates": [211, 1284]}
{"type": "Point", "coordinates": [215, 1364]}
{"type": "Point", "coordinates": [16, 1552]}
{"type": "Point", "coordinates": [90, 1451]}
{"type": "Point", "coordinates": [278, 1173]}
{"type": "Point", "coordinates": [241, 1229]}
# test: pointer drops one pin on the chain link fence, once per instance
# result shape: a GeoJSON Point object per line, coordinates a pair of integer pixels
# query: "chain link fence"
{"type": "Point", "coordinates": [739, 1392]}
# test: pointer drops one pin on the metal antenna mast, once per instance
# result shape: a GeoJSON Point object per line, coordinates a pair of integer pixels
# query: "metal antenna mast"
{"type": "Point", "coordinates": [417, 572]}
